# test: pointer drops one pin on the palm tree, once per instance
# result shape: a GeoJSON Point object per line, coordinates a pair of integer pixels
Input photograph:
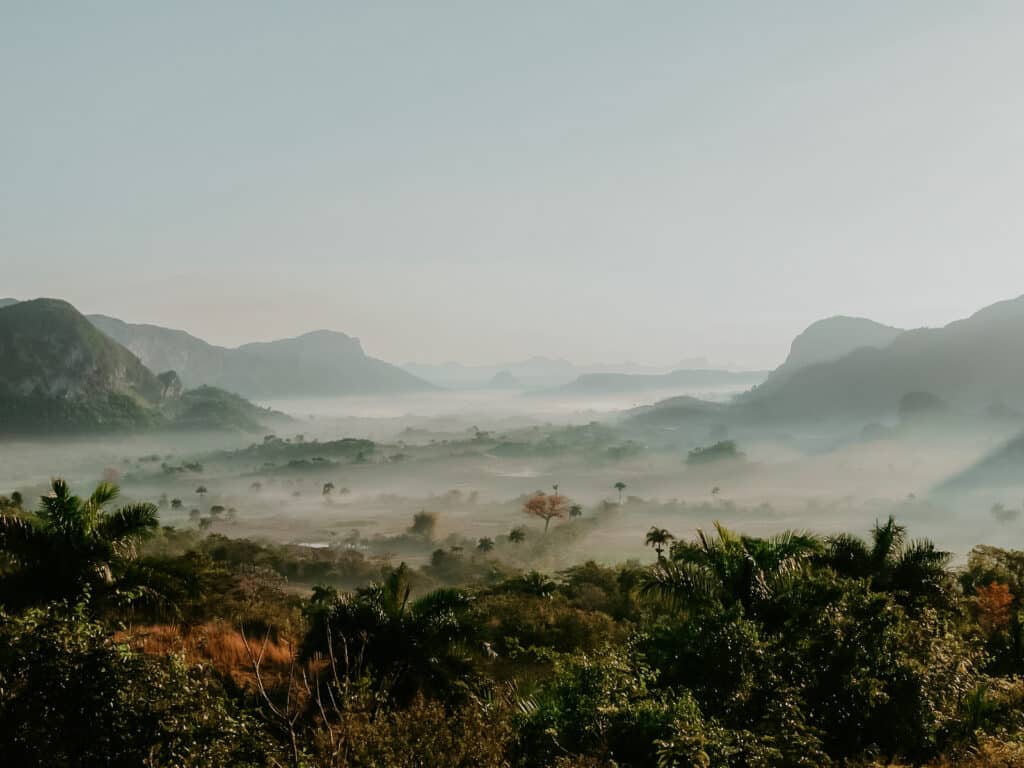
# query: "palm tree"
{"type": "Point", "coordinates": [328, 488]}
{"type": "Point", "coordinates": [620, 487]}
{"type": "Point", "coordinates": [909, 569]}
{"type": "Point", "coordinates": [517, 535]}
{"type": "Point", "coordinates": [406, 646]}
{"type": "Point", "coordinates": [575, 510]}
{"type": "Point", "coordinates": [728, 568]}
{"type": "Point", "coordinates": [659, 539]}
{"type": "Point", "coordinates": [71, 545]}
{"type": "Point", "coordinates": [485, 545]}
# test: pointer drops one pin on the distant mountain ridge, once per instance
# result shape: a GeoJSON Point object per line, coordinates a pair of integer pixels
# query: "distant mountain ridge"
{"type": "Point", "coordinates": [536, 372]}
{"type": "Point", "coordinates": [611, 383]}
{"type": "Point", "coordinates": [320, 363]}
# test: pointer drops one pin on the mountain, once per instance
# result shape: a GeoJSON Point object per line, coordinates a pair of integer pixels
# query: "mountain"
{"type": "Point", "coordinates": [164, 349]}
{"type": "Point", "coordinates": [321, 363]}
{"type": "Point", "coordinates": [7, 302]}
{"type": "Point", "coordinates": [971, 364]}
{"type": "Point", "coordinates": [62, 374]}
{"type": "Point", "coordinates": [532, 372]}
{"type": "Point", "coordinates": [831, 339]}
{"type": "Point", "coordinates": [504, 380]}
{"type": "Point", "coordinates": [611, 383]}
{"type": "Point", "coordinates": [1003, 468]}
{"type": "Point", "coordinates": [59, 372]}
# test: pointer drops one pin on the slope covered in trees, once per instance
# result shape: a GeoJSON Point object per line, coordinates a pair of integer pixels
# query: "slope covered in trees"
{"type": "Point", "coordinates": [61, 374]}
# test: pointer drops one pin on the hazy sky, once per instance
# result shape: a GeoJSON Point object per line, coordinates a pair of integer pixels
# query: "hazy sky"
{"type": "Point", "coordinates": [484, 181]}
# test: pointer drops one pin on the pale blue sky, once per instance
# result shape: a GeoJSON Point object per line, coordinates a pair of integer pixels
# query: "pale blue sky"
{"type": "Point", "coordinates": [483, 181]}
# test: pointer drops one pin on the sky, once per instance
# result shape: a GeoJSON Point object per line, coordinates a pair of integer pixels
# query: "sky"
{"type": "Point", "coordinates": [485, 181]}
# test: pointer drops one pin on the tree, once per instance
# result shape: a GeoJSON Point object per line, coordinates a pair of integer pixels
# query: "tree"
{"type": "Point", "coordinates": [575, 510]}
{"type": "Point", "coordinates": [72, 545]}
{"type": "Point", "coordinates": [406, 646]}
{"type": "Point", "coordinates": [728, 568]}
{"type": "Point", "coordinates": [620, 487]}
{"type": "Point", "coordinates": [517, 535]}
{"type": "Point", "coordinates": [546, 507]}
{"type": "Point", "coordinates": [201, 490]}
{"type": "Point", "coordinates": [256, 487]}
{"type": "Point", "coordinates": [328, 488]}
{"type": "Point", "coordinates": [176, 503]}
{"type": "Point", "coordinates": [423, 524]}
{"type": "Point", "coordinates": [908, 569]}
{"type": "Point", "coordinates": [659, 539]}
{"type": "Point", "coordinates": [486, 544]}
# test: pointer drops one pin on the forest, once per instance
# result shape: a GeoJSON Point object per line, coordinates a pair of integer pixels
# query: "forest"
{"type": "Point", "coordinates": [125, 642]}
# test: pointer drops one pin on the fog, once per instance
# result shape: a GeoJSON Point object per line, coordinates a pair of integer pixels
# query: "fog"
{"type": "Point", "coordinates": [472, 459]}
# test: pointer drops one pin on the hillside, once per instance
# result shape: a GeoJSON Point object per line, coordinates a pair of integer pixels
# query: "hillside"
{"type": "Point", "coordinates": [60, 372]}
{"type": "Point", "coordinates": [831, 339]}
{"type": "Point", "coordinates": [972, 364]}
{"type": "Point", "coordinates": [321, 363]}
{"type": "Point", "coordinates": [611, 383]}
{"type": "Point", "coordinates": [1003, 468]}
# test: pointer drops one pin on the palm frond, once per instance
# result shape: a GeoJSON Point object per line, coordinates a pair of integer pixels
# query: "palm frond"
{"type": "Point", "coordinates": [124, 526]}
{"type": "Point", "coordinates": [103, 494]}
{"type": "Point", "coordinates": [679, 585]}
{"type": "Point", "coordinates": [888, 539]}
{"type": "Point", "coordinates": [442, 600]}
{"type": "Point", "coordinates": [19, 537]}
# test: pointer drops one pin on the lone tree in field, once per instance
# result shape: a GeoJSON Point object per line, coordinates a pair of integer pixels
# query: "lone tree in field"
{"type": "Point", "coordinates": [546, 507]}
{"type": "Point", "coordinates": [659, 539]}
{"type": "Point", "coordinates": [328, 488]}
{"type": "Point", "coordinates": [201, 490]}
{"type": "Point", "coordinates": [485, 545]}
{"type": "Point", "coordinates": [620, 487]}
{"type": "Point", "coordinates": [517, 535]}
{"type": "Point", "coordinates": [423, 524]}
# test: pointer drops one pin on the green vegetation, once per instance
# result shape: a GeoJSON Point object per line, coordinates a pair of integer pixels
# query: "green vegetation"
{"type": "Point", "coordinates": [724, 450]}
{"type": "Point", "coordinates": [125, 644]}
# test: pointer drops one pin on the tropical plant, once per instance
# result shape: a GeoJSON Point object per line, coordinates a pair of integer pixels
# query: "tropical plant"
{"type": "Point", "coordinates": [72, 545]}
{"type": "Point", "coordinates": [909, 569]}
{"type": "Point", "coordinates": [485, 544]}
{"type": "Point", "coordinates": [728, 568]}
{"type": "Point", "coordinates": [620, 487]}
{"type": "Point", "coordinates": [659, 539]}
{"type": "Point", "coordinates": [576, 510]}
{"type": "Point", "coordinates": [517, 535]}
{"type": "Point", "coordinates": [406, 646]}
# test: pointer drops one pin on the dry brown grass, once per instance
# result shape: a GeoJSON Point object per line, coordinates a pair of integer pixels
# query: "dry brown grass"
{"type": "Point", "coordinates": [216, 644]}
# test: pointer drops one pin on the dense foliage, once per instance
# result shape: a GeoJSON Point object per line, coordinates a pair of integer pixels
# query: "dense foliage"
{"type": "Point", "coordinates": [729, 650]}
